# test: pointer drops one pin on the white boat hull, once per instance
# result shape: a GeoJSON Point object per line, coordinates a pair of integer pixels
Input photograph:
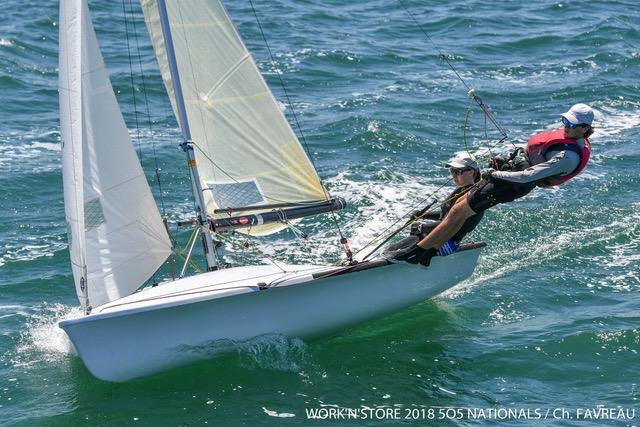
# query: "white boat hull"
{"type": "Point", "coordinates": [158, 329]}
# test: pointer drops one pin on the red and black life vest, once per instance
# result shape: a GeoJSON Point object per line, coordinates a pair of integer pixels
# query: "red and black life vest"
{"type": "Point", "coordinates": [540, 143]}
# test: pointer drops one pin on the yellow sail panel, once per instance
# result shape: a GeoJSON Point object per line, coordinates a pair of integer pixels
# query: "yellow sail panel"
{"type": "Point", "coordinates": [246, 151]}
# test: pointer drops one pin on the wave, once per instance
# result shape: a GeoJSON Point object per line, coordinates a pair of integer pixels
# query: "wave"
{"type": "Point", "coordinates": [21, 248]}
{"type": "Point", "coordinates": [39, 149]}
{"type": "Point", "coordinates": [272, 351]}
{"type": "Point", "coordinates": [612, 245]}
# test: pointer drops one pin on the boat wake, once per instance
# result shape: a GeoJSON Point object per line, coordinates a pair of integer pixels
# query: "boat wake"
{"type": "Point", "coordinates": [275, 352]}
{"type": "Point", "coordinates": [620, 234]}
{"type": "Point", "coordinates": [272, 351]}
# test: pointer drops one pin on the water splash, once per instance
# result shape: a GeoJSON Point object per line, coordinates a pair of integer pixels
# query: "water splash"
{"type": "Point", "coordinates": [271, 351]}
{"type": "Point", "coordinates": [42, 339]}
{"type": "Point", "coordinates": [274, 352]}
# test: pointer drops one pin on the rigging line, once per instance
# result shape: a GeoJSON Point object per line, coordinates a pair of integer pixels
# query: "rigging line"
{"type": "Point", "coordinates": [412, 207]}
{"type": "Point", "coordinates": [148, 112]}
{"type": "Point", "coordinates": [382, 234]}
{"type": "Point", "coordinates": [133, 87]}
{"type": "Point", "coordinates": [478, 158]}
{"type": "Point", "coordinates": [251, 248]}
{"type": "Point", "coordinates": [395, 232]}
{"type": "Point", "coordinates": [286, 93]}
{"type": "Point", "coordinates": [195, 179]}
{"type": "Point", "coordinates": [444, 58]}
{"type": "Point", "coordinates": [465, 126]}
{"type": "Point", "coordinates": [295, 116]}
{"type": "Point", "coordinates": [424, 200]}
{"type": "Point", "coordinates": [135, 103]}
{"type": "Point", "coordinates": [432, 194]}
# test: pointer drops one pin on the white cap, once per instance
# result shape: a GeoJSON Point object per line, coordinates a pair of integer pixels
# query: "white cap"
{"type": "Point", "coordinates": [579, 114]}
{"type": "Point", "coordinates": [461, 162]}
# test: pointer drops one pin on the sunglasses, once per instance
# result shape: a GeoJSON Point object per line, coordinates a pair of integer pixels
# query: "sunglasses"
{"type": "Point", "coordinates": [570, 125]}
{"type": "Point", "coordinates": [459, 171]}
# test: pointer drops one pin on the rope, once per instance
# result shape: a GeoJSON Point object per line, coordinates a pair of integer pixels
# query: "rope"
{"type": "Point", "coordinates": [135, 107]}
{"type": "Point", "coordinates": [247, 246]}
{"type": "Point", "coordinates": [444, 58]}
{"type": "Point", "coordinates": [381, 235]}
{"type": "Point", "coordinates": [148, 113]}
{"type": "Point", "coordinates": [133, 86]}
{"type": "Point", "coordinates": [487, 115]}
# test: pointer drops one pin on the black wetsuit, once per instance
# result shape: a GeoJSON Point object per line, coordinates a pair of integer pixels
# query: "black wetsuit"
{"type": "Point", "coordinates": [490, 192]}
{"type": "Point", "coordinates": [471, 222]}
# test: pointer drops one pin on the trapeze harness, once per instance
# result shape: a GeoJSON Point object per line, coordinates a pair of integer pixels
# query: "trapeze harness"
{"type": "Point", "coordinates": [541, 143]}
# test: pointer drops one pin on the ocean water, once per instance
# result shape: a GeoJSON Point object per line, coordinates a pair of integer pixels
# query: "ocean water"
{"type": "Point", "coordinates": [551, 317]}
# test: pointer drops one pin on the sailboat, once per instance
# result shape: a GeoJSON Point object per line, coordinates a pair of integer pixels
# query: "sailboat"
{"type": "Point", "coordinates": [249, 173]}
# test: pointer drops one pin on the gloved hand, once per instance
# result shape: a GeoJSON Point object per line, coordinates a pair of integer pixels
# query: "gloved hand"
{"type": "Point", "coordinates": [449, 247]}
{"type": "Point", "coordinates": [498, 163]}
{"type": "Point", "coordinates": [416, 255]}
{"type": "Point", "coordinates": [416, 214]}
{"type": "Point", "coordinates": [487, 175]}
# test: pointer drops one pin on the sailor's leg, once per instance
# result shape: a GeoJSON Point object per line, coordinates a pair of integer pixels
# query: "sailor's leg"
{"type": "Point", "coordinates": [449, 226]}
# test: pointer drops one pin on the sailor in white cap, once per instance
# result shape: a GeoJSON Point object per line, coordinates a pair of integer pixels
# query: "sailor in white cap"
{"type": "Point", "coordinates": [465, 172]}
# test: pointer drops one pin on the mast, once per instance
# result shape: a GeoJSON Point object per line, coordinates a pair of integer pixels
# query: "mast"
{"type": "Point", "coordinates": [187, 145]}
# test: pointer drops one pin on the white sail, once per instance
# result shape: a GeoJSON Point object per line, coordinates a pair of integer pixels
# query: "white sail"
{"type": "Point", "coordinates": [247, 153]}
{"type": "Point", "coordinates": [116, 237]}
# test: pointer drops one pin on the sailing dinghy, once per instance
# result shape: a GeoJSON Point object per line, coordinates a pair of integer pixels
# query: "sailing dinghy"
{"type": "Point", "coordinates": [249, 173]}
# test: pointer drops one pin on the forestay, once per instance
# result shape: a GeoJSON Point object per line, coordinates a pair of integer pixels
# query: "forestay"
{"type": "Point", "coordinates": [116, 237]}
{"type": "Point", "coordinates": [247, 153]}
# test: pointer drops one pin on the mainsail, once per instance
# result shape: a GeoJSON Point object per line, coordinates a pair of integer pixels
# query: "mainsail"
{"type": "Point", "coordinates": [116, 237]}
{"type": "Point", "coordinates": [247, 153]}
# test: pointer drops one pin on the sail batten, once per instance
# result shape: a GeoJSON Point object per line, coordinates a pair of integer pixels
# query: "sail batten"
{"type": "Point", "coordinates": [235, 122]}
{"type": "Point", "coordinates": [116, 237]}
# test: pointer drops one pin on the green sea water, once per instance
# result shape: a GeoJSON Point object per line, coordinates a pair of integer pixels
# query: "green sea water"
{"type": "Point", "coordinates": [550, 319]}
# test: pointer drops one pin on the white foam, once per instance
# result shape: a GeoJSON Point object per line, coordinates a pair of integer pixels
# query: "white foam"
{"type": "Point", "coordinates": [610, 120]}
{"type": "Point", "coordinates": [43, 340]}
{"type": "Point", "coordinates": [273, 352]}
{"type": "Point", "coordinates": [378, 206]}
{"type": "Point", "coordinates": [285, 62]}
{"type": "Point", "coordinates": [6, 42]}
{"type": "Point", "coordinates": [15, 151]}
{"type": "Point", "coordinates": [507, 259]}
{"type": "Point", "coordinates": [526, 77]}
{"type": "Point", "coordinates": [22, 250]}
{"type": "Point", "coordinates": [277, 414]}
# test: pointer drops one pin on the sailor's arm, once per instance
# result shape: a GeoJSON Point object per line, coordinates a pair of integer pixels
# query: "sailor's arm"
{"type": "Point", "coordinates": [560, 163]}
{"type": "Point", "coordinates": [422, 214]}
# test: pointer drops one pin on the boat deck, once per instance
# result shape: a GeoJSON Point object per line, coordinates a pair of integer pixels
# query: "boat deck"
{"type": "Point", "coordinates": [214, 284]}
